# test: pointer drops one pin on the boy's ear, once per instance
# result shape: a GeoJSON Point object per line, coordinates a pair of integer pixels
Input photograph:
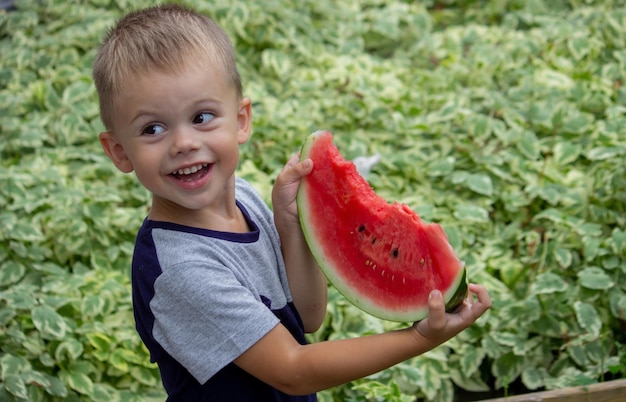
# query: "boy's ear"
{"type": "Point", "coordinates": [114, 150]}
{"type": "Point", "coordinates": [244, 120]}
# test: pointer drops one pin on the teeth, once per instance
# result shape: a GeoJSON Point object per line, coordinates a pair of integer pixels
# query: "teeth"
{"type": "Point", "coordinates": [191, 170]}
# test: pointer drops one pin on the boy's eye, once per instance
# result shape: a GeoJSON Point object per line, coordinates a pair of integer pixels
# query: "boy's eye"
{"type": "Point", "coordinates": [203, 118]}
{"type": "Point", "coordinates": [153, 129]}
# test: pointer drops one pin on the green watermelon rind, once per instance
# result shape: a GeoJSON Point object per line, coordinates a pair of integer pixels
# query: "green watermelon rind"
{"type": "Point", "coordinates": [459, 295]}
{"type": "Point", "coordinates": [453, 296]}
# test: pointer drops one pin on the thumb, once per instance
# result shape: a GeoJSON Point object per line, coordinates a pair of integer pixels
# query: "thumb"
{"type": "Point", "coordinates": [295, 169]}
{"type": "Point", "coordinates": [437, 318]}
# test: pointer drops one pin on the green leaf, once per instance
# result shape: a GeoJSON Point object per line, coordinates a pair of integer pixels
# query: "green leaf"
{"type": "Point", "coordinates": [603, 153]}
{"type": "Point", "coordinates": [588, 317]}
{"type": "Point", "coordinates": [34, 345]}
{"type": "Point", "coordinates": [11, 272]}
{"type": "Point", "coordinates": [51, 99]}
{"type": "Point", "coordinates": [471, 213]}
{"type": "Point", "coordinates": [617, 302]}
{"type": "Point", "coordinates": [589, 229]}
{"type": "Point", "coordinates": [481, 126]}
{"type": "Point", "coordinates": [100, 341]}
{"type": "Point", "coordinates": [471, 383]}
{"type": "Point", "coordinates": [431, 380]}
{"type": "Point", "coordinates": [446, 391]}
{"type": "Point", "coordinates": [597, 352]}
{"type": "Point", "coordinates": [49, 322]}
{"type": "Point", "coordinates": [453, 233]}
{"type": "Point", "coordinates": [36, 378]}
{"type": "Point", "coordinates": [533, 378]}
{"type": "Point", "coordinates": [441, 167]}
{"type": "Point", "coordinates": [78, 381]}
{"type": "Point", "coordinates": [549, 283]}
{"type": "Point", "coordinates": [566, 152]}
{"type": "Point", "coordinates": [529, 145]}
{"type": "Point", "coordinates": [56, 387]}
{"type": "Point", "coordinates": [480, 183]}
{"type": "Point", "coordinates": [511, 272]}
{"type": "Point", "coordinates": [276, 61]}
{"type": "Point", "coordinates": [13, 364]}
{"type": "Point", "coordinates": [26, 232]}
{"type": "Point", "coordinates": [70, 348]}
{"type": "Point", "coordinates": [103, 393]}
{"type": "Point", "coordinates": [471, 360]}
{"type": "Point", "coordinates": [19, 297]}
{"type": "Point", "coordinates": [119, 361]}
{"type": "Point", "coordinates": [591, 247]}
{"type": "Point", "coordinates": [508, 338]}
{"type": "Point", "coordinates": [526, 346]}
{"type": "Point", "coordinates": [579, 46]}
{"type": "Point", "coordinates": [578, 354]}
{"type": "Point", "coordinates": [508, 367]}
{"type": "Point", "coordinates": [610, 262]}
{"type": "Point", "coordinates": [144, 375]}
{"type": "Point", "coordinates": [595, 278]}
{"type": "Point", "coordinates": [553, 79]}
{"type": "Point", "coordinates": [563, 256]}
{"type": "Point", "coordinates": [92, 305]}
{"type": "Point", "coordinates": [619, 240]}
{"type": "Point", "coordinates": [81, 366]}
{"type": "Point", "coordinates": [550, 326]}
{"type": "Point", "coordinates": [14, 383]}
{"type": "Point", "coordinates": [78, 91]}
{"type": "Point", "coordinates": [7, 314]}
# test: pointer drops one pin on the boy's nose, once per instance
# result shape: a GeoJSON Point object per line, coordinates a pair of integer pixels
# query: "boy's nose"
{"type": "Point", "coordinates": [184, 140]}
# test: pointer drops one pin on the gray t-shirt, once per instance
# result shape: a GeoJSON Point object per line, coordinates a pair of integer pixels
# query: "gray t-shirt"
{"type": "Point", "coordinates": [203, 297]}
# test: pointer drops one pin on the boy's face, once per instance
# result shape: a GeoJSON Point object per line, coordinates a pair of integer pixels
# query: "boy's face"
{"type": "Point", "coordinates": [180, 133]}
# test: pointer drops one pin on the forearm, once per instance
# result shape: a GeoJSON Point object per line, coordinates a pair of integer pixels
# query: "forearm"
{"type": "Point", "coordinates": [306, 281]}
{"type": "Point", "coordinates": [280, 361]}
{"type": "Point", "coordinates": [315, 367]}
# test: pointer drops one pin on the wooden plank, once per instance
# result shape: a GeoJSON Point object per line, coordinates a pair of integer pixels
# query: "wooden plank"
{"type": "Point", "coordinates": [610, 391]}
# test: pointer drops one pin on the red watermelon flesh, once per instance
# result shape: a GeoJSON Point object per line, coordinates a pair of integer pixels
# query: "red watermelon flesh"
{"type": "Point", "coordinates": [382, 257]}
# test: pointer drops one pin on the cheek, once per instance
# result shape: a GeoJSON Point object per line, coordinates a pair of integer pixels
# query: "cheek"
{"type": "Point", "coordinates": [146, 169]}
{"type": "Point", "coordinates": [227, 144]}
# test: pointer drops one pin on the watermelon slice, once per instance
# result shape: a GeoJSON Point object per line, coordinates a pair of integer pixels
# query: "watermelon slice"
{"type": "Point", "coordinates": [382, 257]}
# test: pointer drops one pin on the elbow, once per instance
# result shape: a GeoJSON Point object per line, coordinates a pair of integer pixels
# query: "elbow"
{"type": "Point", "coordinates": [296, 376]}
{"type": "Point", "coordinates": [295, 385]}
{"type": "Point", "coordinates": [313, 326]}
{"type": "Point", "coordinates": [314, 319]}
{"type": "Point", "coordinates": [292, 389]}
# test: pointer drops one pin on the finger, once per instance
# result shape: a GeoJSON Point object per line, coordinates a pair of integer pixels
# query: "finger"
{"type": "Point", "coordinates": [482, 295]}
{"type": "Point", "coordinates": [293, 160]}
{"type": "Point", "coordinates": [482, 302]}
{"type": "Point", "coordinates": [295, 169]}
{"type": "Point", "coordinates": [436, 310]}
{"type": "Point", "coordinates": [307, 166]}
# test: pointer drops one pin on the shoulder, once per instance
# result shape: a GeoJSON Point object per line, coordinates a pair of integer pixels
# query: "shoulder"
{"type": "Point", "coordinates": [244, 191]}
{"type": "Point", "coordinates": [252, 201]}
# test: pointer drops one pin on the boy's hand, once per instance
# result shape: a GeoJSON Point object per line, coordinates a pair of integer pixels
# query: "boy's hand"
{"type": "Point", "coordinates": [306, 281]}
{"type": "Point", "coordinates": [440, 326]}
{"type": "Point", "coordinates": [286, 187]}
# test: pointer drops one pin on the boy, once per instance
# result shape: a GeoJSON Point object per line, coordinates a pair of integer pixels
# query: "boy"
{"type": "Point", "coordinates": [223, 291]}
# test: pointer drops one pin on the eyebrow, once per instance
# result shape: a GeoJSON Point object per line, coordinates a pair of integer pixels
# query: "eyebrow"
{"type": "Point", "coordinates": [140, 114]}
{"type": "Point", "coordinates": [199, 105]}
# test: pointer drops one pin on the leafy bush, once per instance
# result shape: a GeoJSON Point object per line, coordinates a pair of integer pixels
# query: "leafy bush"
{"type": "Point", "coordinates": [502, 120]}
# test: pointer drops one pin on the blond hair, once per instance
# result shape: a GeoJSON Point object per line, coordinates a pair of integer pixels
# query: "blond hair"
{"type": "Point", "coordinates": [165, 38]}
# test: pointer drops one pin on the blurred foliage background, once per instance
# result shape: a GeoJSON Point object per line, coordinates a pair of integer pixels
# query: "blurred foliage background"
{"type": "Point", "coordinates": [502, 120]}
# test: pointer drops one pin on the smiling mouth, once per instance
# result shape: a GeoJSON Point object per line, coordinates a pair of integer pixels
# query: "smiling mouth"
{"type": "Point", "coordinates": [192, 173]}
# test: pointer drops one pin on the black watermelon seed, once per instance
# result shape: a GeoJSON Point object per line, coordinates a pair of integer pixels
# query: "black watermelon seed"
{"type": "Point", "coordinates": [395, 253]}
